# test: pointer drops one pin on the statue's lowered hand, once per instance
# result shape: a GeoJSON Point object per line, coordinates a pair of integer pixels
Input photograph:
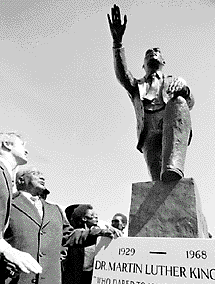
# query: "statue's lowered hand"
{"type": "Point", "coordinates": [178, 87]}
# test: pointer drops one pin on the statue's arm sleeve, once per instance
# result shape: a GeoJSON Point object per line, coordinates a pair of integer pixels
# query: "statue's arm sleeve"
{"type": "Point", "coordinates": [185, 92]}
{"type": "Point", "coordinates": [123, 75]}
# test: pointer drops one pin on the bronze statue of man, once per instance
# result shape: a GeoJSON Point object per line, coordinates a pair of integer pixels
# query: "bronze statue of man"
{"type": "Point", "coordinates": [161, 104]}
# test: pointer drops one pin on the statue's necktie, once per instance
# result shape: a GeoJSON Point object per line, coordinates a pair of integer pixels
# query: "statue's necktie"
{"type": "Point", "coordinates": [153, 87]}
{"type": "Point", "coordinates": [38, 204]}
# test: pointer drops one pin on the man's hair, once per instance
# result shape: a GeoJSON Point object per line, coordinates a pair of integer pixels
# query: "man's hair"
{"type": "Point", "coordinates": [8, 137]}
{"type": "Point", "coordinates": [124, 218]}
{"type": "Point", "coordinates": [69, 210]}
{"type": "Point", "coordinates": [81, 210]}
{"type": "Point", "coordinates": [20, 181]}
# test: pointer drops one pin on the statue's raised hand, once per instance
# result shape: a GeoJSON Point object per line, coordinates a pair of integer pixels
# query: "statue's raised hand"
{"type": "Point", "coordinates": [116, 27]}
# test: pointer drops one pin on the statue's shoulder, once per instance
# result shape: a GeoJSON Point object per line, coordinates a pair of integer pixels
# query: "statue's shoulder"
{"type": "Point", "coordinates": [167, 79]}
{"type": "Point", "coordinates": [171, 77]}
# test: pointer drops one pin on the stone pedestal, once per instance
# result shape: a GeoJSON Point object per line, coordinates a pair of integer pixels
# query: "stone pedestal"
{"type": "Point", "coordinates": [166, 210]}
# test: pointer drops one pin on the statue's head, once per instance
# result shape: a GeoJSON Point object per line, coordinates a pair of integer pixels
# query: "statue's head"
{"type": "Point", "coordinates": [153, 59]}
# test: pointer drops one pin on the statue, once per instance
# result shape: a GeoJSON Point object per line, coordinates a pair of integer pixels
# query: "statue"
{"type": "Point", "coordinates": [161, 104]}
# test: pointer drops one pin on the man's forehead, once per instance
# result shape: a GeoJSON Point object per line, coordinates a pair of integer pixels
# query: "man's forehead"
{"type": "Point", "coordinates": [91, 212]}
{"type": "Point", "coordinates": [28, 171]}
{"type": "Point", "coordinates": [20, 140]}
{"type": "Point", "coordinates": [156, 49]}
{"type": "Point", "coordinates": [117, 217]}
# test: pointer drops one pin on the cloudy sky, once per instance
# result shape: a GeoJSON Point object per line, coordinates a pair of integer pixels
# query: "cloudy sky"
{"type": "Point", "coordinates": [58, 89]}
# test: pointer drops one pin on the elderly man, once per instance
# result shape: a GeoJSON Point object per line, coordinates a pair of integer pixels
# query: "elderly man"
{"type": "Point", "coordinates": [12, 154]}
{"type": "Point", "coordinates": [40, 229]}
{"type": "Point", "coordinates": [161, 105]}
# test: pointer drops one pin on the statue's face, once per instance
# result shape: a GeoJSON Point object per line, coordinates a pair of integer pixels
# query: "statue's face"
{"type": "Point", "coordinates": [153, 58]}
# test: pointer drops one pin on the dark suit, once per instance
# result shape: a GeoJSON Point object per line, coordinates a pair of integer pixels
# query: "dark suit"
{"type": "Point", "coordinates": [151, 126]}
{"type": "Point", "coordinates": [5, 197]}
{"type": "Point", "coordinates": [42, 238]}
{"type": "Point", "coordinates": [5, 208]}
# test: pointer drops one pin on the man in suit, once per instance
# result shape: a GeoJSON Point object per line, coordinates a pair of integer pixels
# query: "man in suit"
{"type": "Point", "coordinates": [40, 229]}
{"type": "Point", "coordinates": [161, 104]}
{"type": "Point", "coordinates": [12, 154]}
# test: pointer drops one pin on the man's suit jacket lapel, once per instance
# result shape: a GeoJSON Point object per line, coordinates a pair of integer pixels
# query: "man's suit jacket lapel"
{"type": "Point", "coordinates": [24, 205]}
{"type": "Point", "coordinates": [47, 213]}
{"type": "Point", "coordinates": [7, 177]}
{"type": "Point", "coordinates": [6, 196]}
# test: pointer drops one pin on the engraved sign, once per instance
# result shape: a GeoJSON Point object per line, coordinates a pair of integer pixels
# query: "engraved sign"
{"type": "Point", "coordinates": [154, 261]}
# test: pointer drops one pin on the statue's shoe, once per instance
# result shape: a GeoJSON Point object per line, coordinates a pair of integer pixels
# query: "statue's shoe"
{"type": "Point", "coordinates": [171, 175]}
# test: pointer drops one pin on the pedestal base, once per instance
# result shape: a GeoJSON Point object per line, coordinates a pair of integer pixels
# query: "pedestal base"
{"type": "Point", "coordinates": [166, 210]}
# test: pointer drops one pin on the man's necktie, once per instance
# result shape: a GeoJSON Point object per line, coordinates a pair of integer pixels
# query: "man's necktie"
{"type": "Point", "coordinates": [38, 204]}
{"type": "Point", "coordinates": [153, 87]}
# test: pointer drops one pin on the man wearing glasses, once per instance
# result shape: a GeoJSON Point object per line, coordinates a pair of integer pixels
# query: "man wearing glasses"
{"type": "Point", "coordinates": [161, 104]}
{"type": "Point", "coordinates": [119, 221]}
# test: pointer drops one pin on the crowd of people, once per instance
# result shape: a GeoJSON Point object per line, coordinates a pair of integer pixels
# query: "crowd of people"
{"type": "Point", "coordinates": [39, 243]}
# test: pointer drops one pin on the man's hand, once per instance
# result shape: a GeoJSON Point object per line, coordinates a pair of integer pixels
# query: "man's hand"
{"type": "Point", "coordinates": [178, 87]}
{"type": "Point", "coordinates": [115, 231]}
{"type": "Point", "coordinates": [106, 233]}
{"type": "Point", "coordinates": [10, 269]}
{"type": "Point", "coordinates": [117, 29]}
{"type": "Point", "coordinates": [23, 260]}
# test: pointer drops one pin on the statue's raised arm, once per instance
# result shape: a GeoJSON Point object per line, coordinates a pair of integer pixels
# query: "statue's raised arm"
{"type": "Point", "coordinates": [161, 102]}
{"type": "Point", "coordinates": [117, 29]}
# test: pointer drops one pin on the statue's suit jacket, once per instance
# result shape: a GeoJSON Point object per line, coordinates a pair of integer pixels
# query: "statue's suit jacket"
{"type": "Point", "coordinates": [132, 86]}
{"type": "Point", "coordinates": [5, 197]}
{"type": "Point", "coordinates": [42, 238]}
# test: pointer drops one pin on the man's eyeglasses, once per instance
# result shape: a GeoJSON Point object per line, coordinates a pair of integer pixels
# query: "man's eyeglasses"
{"type": "Point", "coordinates": [116, 221]}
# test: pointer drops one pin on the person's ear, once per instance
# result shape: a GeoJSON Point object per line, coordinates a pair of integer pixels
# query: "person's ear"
{"type": "Point", "coordinates": [7, 144]}
{"type": "Point", "coordinates": [84, 219]}
{"type": "Point", "coordinates": [21, 180]}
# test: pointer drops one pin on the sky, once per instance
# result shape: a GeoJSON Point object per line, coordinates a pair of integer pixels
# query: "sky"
{"type": "Point", "coordinates": [59, 90]}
